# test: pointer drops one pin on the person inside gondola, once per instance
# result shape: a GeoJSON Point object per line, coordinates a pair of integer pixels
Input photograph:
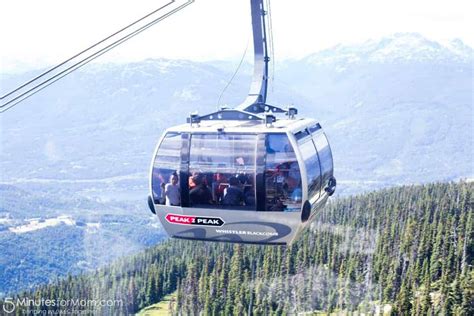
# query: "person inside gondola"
{"type": "Point", "coordinates": [158, 185]}
{"type": "Point", "coordinates": [277, 205]}
{"type": "Point", "coordinates": [218, 186]}
{"type": "Point", "coordinates": [294, 176]}
{"type": "Point", "coordinates": [249, 197]}
{"type": "Point", "coordinates": [233, 195]}
{"type": "Point", "coordinates": [172, 191]}
{"type": "Point", "coordinates": [162, 194]}
{"type": "Point", "coordinates": [191, 183]}
{"type": "Point", "coordinates": [243, 179]}
{"type": "Point", "coordinates": [200, 194]}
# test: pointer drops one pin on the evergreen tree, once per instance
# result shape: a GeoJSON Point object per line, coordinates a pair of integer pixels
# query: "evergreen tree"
{"type": "Point", "coordinates": [399, 246]}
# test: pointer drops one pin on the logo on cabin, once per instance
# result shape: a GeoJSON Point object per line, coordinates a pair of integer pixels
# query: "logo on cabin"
{"type": "Point", "coordinates": [194, 220]}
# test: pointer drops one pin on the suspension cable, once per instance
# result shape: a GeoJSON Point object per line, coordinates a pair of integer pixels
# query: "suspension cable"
{"type": "Point", "coordinates": [233, 76]}
{"type": "Point", "coordinates": [43, 84]}
{"type": "Point", "coordinates": [272, 47]}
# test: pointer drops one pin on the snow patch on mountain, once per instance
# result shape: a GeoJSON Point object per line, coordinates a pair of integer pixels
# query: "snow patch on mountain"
{"type": "Point", "coordinates": [399, 47]}
{"type": "Point", "coordinates": [38, 223]}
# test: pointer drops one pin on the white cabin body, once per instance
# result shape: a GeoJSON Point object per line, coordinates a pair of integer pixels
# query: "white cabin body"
{"type": "Point", "coordinates": [242, 180]}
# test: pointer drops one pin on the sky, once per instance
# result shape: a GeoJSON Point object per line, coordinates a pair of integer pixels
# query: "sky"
{"type": "Point", "coordinates": [39, 33]}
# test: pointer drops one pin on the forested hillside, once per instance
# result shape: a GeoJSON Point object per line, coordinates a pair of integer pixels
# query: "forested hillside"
{"type": "Point", "coordinates": [406, 250]}
{"type": "Point", "coordinates": [396, 109]}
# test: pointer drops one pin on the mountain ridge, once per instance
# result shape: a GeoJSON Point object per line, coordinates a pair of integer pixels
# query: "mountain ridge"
{"type": "Point", "coordinates": [397, 47]}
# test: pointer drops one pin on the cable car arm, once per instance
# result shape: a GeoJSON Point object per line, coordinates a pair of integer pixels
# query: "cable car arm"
{"type": "Point", "coordinates": [255, 101]}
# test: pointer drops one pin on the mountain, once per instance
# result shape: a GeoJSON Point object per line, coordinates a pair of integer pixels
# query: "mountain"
{"type": "Point", "coordinates": [402, 251]}
{"type": "Point", "coordinates": [396, 110]}
{"type": "Point", "coordinates": [46, 236]}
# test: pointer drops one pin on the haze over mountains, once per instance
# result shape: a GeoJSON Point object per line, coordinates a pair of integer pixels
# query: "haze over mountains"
{"type": "Point", "coordinates": [396, 110]}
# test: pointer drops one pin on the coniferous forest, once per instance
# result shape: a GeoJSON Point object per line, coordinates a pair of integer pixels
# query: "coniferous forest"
{"type": "Point", "coordinates": [402, 251]}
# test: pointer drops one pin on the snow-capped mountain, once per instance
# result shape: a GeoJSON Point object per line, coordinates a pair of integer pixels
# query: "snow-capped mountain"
{"type": "Point", "coordinates": [397, 110]}
{"type": "Point", "coordinates": [400, 47]}
{"type": "Point", "coordinates": [401, 107]}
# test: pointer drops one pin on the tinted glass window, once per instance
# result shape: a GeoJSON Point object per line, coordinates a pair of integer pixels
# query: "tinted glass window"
{"type": "Point", "coordinates": [282, 175]}
{"type": "Point", "coordinates": [313, 171]}
{"type": "Point", "coordinates": [222, 171]}
{"type": "Point", "coordinates": [314, 128]}
{"type": "Point", "coordinates": [301, 134]}
{"type": "Point", "coordinates": [325, 155]}
{"type": "Point", "coordinates": [165, 179]}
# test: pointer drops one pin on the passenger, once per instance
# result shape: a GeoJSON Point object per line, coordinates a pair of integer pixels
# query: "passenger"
{"type": "Point", "coordinates": [249, 198]}
{"type": "Point", "coordinates": [208, 179]}
{"type": "Point", "coordinates": [157, 186]}
{"type": "Point", "coordinates": [172, 191]}
{"type": "Point", "coordinates": [200, 194]}
{"type": "Point", "coordinates": [293, 180]}
{"type": "Point", "coordinates": [218, 187]}
{"type": "Point", "coordinates": [241, 169]}
{"type": "Point", "coordinates": [162, 194]}
{"type": "Point", "coordinates": [278, 206]}
{"type": "Point", "coordinates": [243, 179]}
{"type": "Point", "coordinates": [233, 195]}
{"type": "Point", "coordinates": [191, 182]}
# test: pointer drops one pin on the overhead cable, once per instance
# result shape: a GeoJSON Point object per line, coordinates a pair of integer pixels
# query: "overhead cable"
{"type": "Point", "coordinates": [57, 72]}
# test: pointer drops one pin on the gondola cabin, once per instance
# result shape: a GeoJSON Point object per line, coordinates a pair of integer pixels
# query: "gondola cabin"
{"type": "Point", "coordinates": [242, 174]}
{"type": "Point", "coordinates": [241, 181]}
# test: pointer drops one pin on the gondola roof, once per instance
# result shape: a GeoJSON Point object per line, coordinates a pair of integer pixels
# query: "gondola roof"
{"type": "Point", "coordinates": [280, 125]}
